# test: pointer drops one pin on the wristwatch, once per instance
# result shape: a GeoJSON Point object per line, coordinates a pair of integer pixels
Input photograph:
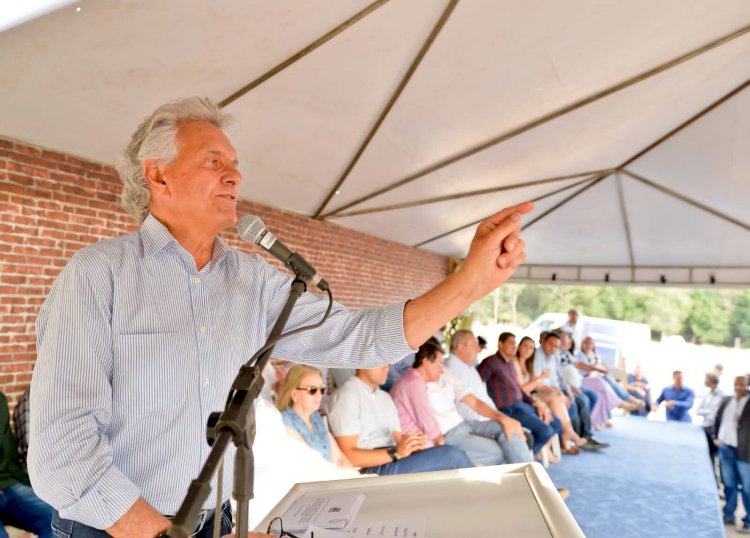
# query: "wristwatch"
{"type": "Point", "coordinates": [392, 453]}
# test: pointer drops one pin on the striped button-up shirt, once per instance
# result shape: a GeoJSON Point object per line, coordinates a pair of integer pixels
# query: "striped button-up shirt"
{"type": "Point", "coordinates": [136, 347]}
{"type": "Point", "coordinates": [502, 381]}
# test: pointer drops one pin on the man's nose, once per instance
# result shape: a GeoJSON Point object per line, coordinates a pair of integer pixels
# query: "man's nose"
{"type": "Point", "coordinates": [232, 175]}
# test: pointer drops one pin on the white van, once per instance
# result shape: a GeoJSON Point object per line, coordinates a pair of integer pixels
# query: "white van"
{"type": "Point", "coordinates": [614, 338]}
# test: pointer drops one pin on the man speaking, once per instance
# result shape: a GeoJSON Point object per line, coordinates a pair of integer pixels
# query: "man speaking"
{"type": "Point", "coordinates": [141, 335]}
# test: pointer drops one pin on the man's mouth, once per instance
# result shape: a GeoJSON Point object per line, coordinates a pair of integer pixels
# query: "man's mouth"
{"type": "Point", "coordinates": [228, 197]}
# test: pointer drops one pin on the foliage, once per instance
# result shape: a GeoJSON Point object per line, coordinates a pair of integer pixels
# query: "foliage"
{"type": "Point", "coordinates": [740, 318]}
{"type": "Point", "coordinates": [712, 316]}
{"type": "Point", "coordinates": [708, 319]}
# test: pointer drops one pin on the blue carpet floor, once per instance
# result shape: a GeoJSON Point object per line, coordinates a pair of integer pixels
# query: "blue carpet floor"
{"type": "Point", "coordinates": [654, 480]}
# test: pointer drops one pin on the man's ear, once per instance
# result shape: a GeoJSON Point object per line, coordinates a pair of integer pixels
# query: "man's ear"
{"type": "Point", "coordinates": [154, 177]}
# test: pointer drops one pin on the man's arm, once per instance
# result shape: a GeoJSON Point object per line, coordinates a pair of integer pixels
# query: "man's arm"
{"type": "Point", "coordinates": [363, 457]}
{"type": "Point", "coordinates": [70, 459]}
{"type": "Point", "coordinates": [510, 426]}
{"type": "Point", "coordinates": [495, 253]}
{"type": "Point", "coordinates": [687, 403]}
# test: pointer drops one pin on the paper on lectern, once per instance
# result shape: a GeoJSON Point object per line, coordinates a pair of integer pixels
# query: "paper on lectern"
{"type": "Point", "coordinates": [333, 512]}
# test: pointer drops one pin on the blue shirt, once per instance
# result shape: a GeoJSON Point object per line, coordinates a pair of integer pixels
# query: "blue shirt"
{"type": "Point", "coordinates": [136, 347]}
{"type": "Point", "coordinates": [317, 438]}
{"type": "Point", "coordinates": [683, 398]}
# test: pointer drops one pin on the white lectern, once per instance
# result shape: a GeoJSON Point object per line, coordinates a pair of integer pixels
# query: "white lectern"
{"type": "Point", "coordinates": [481, 502]}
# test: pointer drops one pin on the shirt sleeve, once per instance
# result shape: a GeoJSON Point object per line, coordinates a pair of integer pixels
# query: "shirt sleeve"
{"type": "Point", "coordinates": [348, 338]}
{"type": "Point", "coordinates": [344, 415]}
{"type": "Point", "coordinates": [687, 403]}
{"type": "Point", "coordinates": [661, 398]}
{"type": "Point", "coordinates": [70, 458]}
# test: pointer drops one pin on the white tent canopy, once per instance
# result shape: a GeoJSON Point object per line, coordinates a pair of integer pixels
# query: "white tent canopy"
{"type": "Point", "coordinates": [627, 122]}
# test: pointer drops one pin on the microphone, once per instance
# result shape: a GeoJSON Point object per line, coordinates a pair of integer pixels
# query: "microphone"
{"type": "Point", "coordinates": [251, 229]}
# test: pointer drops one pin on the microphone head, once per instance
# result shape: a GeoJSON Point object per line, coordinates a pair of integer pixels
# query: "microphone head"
{"type": "Point", "coordinates": [250, 227]}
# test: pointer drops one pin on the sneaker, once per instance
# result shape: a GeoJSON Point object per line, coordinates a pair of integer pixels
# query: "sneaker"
{"type": "Point", "coordinates": [729, 521]}
{"type": "Point", "coordinates": [597, 444]}
{"type": "Point", "coordinates": [745, 529]}
{"type": "Point", "coordinates": [590, 445]}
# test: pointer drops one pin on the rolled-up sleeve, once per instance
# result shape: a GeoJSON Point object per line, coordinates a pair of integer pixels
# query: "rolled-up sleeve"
{"type": "Point", "coordinates": [349, 338]}
{"type": "Point", "coordinates": [70, 458]}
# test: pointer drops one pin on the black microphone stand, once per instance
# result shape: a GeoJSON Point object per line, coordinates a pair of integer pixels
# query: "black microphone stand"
{"type": "Point", "coordinates": [237, 424]}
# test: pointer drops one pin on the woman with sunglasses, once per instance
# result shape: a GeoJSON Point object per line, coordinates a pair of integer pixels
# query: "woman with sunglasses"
{"type": "Point", "coordinates": [299, 401]}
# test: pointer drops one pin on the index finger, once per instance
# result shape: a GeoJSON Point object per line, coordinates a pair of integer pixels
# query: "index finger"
{"type": "Point", "coordinates": [500, 216]}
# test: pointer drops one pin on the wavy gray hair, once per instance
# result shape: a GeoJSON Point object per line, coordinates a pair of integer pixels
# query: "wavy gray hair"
{"type": "Point", "coordinates": [156, 138]}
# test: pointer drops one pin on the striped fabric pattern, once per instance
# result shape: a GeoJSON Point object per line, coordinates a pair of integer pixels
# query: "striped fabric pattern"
{"type": "Point", "coordinates": [136, 347]}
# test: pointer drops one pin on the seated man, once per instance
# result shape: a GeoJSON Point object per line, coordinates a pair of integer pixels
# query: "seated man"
{"type": "Point", "coordinates": [546, 357]}
{"type": "Point", "coordinates": [462, 363]}
{"type": "Point", "coordinates": [365, 424]}
{"type": "Point", "coordinates": [639, 388]}
{"type": "Point", "coordinates": [499, 373]}
{"type": "Point", "coordinates": [19, 505]}
{"type": "Point", "coordinates": [427, 398]}
{"type": "Point", "coordinates": [21, 424]}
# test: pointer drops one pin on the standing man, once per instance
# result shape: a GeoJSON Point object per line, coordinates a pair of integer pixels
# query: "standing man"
{"type": "Point", "coordinates": [141, 335]}
{"type": "Point", "coordinates": [733, 439]}
{"type": "Point", "coordinates": [364, 421]}
{"type": "Point", "coordinates": [708, 408]}
{"type": "Point", "coordinates": [678, 399]}
{"type": "Point", "coordinates": [572, 326]}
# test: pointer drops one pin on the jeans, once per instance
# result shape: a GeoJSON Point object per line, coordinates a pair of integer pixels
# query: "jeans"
{"type": "Point", "coordinates": [580, 415]}
{"type": "Point", "coordinates": [592, 396]}
{"type": "Point", "coordinates": [436, 458]}
{"type": "Point", "coordinates": [480, 449]}
{"type": "Point", "coordinates": [621, 392]}
{"type": "Point", "coordinates": [21, 508]}
{"type": "Point", "coordinates": [735, 474]}
{"type": "Point", "coordinates": [526, 415]}
{"type": "Point", "coordinates": [65, 528]}
{"type": "Point", "coordinates": [515, 450]}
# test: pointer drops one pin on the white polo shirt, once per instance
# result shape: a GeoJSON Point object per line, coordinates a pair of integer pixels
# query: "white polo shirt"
{"type": "Point", "coordinates": [356, 409]}
{"type": "Point", "coordinates": [470, 377]}
{"type": "Point", "coordinates": [443, 395]}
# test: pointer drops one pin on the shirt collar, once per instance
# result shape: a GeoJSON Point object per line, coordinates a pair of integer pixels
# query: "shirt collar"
{"type": "Point", "coordinates": [155, 236]}
{"type": "Point", "coordinates": [364, 386]}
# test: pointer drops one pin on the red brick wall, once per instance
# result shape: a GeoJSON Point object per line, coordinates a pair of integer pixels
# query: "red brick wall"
{"type": "Point", "coordinates": [53, 205]}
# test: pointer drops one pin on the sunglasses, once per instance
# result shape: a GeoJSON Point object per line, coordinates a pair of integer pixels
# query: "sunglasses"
{"type": "Point", "coordinates": [312, 391]}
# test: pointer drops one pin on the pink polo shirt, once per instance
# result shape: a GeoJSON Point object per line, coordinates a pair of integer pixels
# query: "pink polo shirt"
{"type": "Point", "coordinates": [410, 396]}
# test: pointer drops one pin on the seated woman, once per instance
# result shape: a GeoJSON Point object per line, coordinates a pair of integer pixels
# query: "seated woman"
{"type": "Point", "coordinates": [299, 401]}
{"type": "Point", "coordinates": [554, 399]}
{"type": "Point", "coordinates": [591, 365]}
{"type": "Point", "coordinates": [528, 383]}
{"type": "Point", "coordinates": [606, 398]}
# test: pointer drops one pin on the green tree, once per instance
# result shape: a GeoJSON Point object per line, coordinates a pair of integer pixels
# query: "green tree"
{"type": "Point", "coordinates": [708, 319]}
{"type": "Point", "coordinates": [740, 319]}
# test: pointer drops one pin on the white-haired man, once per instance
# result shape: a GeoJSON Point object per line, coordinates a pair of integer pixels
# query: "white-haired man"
{"type": "Point", "coordinates": [142, 334]}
